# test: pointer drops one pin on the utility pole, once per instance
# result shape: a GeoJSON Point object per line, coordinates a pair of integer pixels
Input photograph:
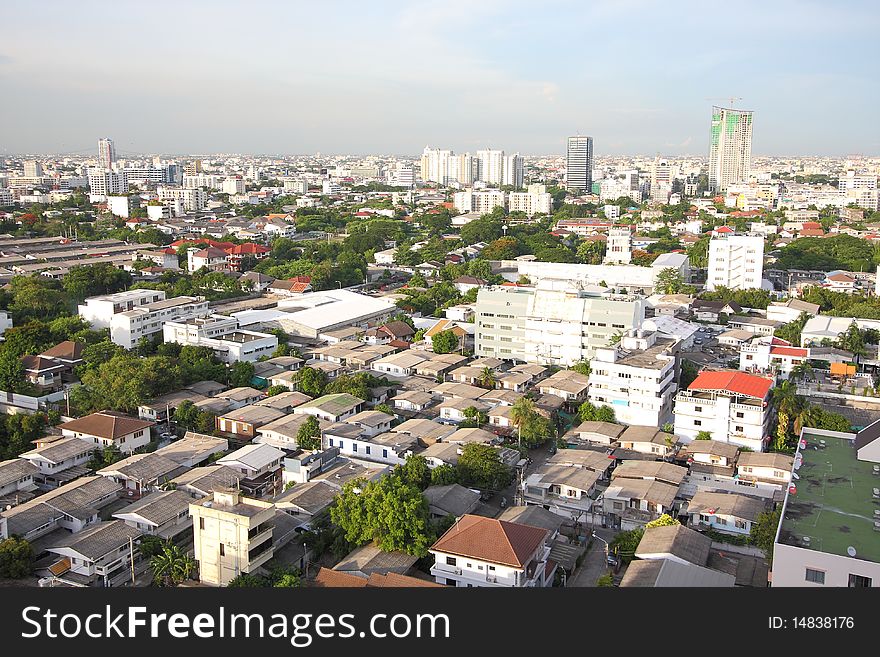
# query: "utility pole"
{"type": "Point", "coordinates": [131, 557]}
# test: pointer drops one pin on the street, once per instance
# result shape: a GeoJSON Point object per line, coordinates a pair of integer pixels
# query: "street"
{"type": "Point", "coordinates": [593, 565]}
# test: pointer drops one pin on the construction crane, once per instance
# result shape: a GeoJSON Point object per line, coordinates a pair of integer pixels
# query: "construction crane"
{"type": "Point", "coordinates": [730, 99]}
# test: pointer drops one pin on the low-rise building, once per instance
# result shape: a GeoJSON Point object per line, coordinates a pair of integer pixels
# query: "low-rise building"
{"type": "Point", "coordinates": [478, 551]}
{"type": "Point", "coordinates": [97, 556]}
{"type": "Point", "coordinates": [230, 343]}
{"type": "Point", "coordinates": [332, 408]}
{"type": "Point", "coordinates": [110, 429]}
{"type": "Point", "coordinates": [725, 512]}
{"type": "Point", "coordinates": [259, 465]}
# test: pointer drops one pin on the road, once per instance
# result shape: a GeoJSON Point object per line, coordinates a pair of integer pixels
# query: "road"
{"type": "Point", "coordinates": [593, 565]}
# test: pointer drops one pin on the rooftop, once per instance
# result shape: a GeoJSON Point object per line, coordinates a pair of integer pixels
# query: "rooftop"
{"type": "Point", "coordinates": [833, 503]}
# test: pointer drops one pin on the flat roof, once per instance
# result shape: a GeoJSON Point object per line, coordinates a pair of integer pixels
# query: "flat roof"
{"type": "Point", "coordinates": [833, 504]}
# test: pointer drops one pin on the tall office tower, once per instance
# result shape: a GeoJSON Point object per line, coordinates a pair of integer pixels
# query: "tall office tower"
{"type": "Point", "coordinates": [661, 179]}
{"type": "Point", "coordinates": [735, 262]}
{"type": "Point", "coordinates": [106, 153]}
{"type": "Point", "coordinates": [730, 153]}
{"type": "Point", "coordinates": [491, 166]}
{"type": "Point", "coordinates": [513, 171]}
{"type": "Point", "coordinates": [192, 168]}
{"type": "Point", "coordinates": [33, 169]}
{"type": "Point", "coordinates": [579, 165]}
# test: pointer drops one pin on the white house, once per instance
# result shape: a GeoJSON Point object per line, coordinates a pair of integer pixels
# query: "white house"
{"type": "Point", "coordinates": [110, 429]}
{"type": "Point", "coordinates": [478, 551]}
{"type": "Point", "coordinates": [725, 512]}
{"type": "Point", "coordinates": [100, 554]}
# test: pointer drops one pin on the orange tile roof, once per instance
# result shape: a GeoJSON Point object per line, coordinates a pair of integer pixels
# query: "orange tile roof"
{"type": "Point", "coordinates": [788, 351]}
{"type": "Point", "coordinates": [495, 541]}
{"type": "Point", "coordinates": [739, 383]}
{"type": "Point", "coordinates": [106, 424]}
{"type": "Point", "coordinates": [327, 578]}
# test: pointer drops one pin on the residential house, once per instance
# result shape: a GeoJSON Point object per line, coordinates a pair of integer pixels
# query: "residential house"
{"type": "Point", "coordinates": [16, 481]}
{"type": "Point", "coordinates": [725, 512]}
{"type": "Point", "coordinates": [97, 556]}
{"type": "Point", "coordinates": [59, 461]}
{"type": "Point", "coordinates": [332, 408]}
{"type": "Point", "coordinates": [451, 500]}
{"type": "Point", "coordinates": [632, 503]}
{"type": "Point", "coordinates": [140, 474]}
{"type": "Point", "coordinates": [110, 429]}
{"type": "Point", "coordinates": [600, 433]}
{"type": "Point", "coordinates": [568, 385]}
{"type": "Point", "coordinates": [244, 422]}
{"type": "Point", "coordinates": [647, 440]}
{"type": "Point", "coordinates": [478, 551]}
{"type": "Point", "coordinates": [161, 513]}
{"type": "Point", "coordinates": [260, 467]}
{"type": "Point", "coordinates": [283, 432]}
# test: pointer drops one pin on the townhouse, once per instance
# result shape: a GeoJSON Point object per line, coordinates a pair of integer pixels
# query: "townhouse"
{"type": "Point", "coordinates": [110, 429]}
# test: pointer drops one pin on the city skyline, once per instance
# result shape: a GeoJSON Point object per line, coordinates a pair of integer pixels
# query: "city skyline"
{"type": "Point", "coordinates": [417, 74]}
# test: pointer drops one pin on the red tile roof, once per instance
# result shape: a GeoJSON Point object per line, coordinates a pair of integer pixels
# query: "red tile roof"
{"type": "Point", "coordinates": [496, 541]}
{"type": "Point", "coordinates": [106, 424]}
{"type": "Point", "coordinates": [789, 351]}
{"type": "Point", "coordinates": [248, 248]}
{"type": "Point", "coordinates": [739, 383]}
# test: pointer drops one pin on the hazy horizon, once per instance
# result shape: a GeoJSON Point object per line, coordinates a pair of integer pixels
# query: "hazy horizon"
{"type": "Point", "coordinates": [344, 78]}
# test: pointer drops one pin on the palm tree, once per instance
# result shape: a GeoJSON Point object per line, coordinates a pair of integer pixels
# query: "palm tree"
{"type": "Point", "coordinates": [522, 413]}
{"type": "Point", "coordinates": [172, 565]}
{"type": "Point", "coordinates": [802, 371]}
{"type": "Point", "coordinates": [852, 341]}
{"type": "Point", "coordinates": [788, 405]}
{"type": "Point", "coordinates": [810, 416]}
{"type": "Point", "coordinates": [487, 378]}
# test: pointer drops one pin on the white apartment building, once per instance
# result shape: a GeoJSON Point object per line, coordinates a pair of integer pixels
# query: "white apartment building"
{"type": "Point", "coordinates": [231, 535]}
{"type": "Point", "coordinates": [479, 202]}
{"type": "Point", "coordinates": [296, 186]}
{"type": "Point", "coordinates": [735, 262]}
{"type": "Point", "coordinates": [534, 201]}
{"type": "Point", "coordinates": [618, 248]}
{"type": "Point", "coordinates": [579, 165]}
{"type": "Point", "coordinates": [203, 181]}
{"type": "Point", "coordinates": [860, 189]}
{"type": "Point", "coordinates": [222, 334]}
{"type": "Point", "coordinates": [193, 199]}
{"type": "Point", "coordinates": [512, 173]}
{"type": "Point", "coordinates": [127, 328]}
{"type": "Point", "coordinates": [491, 166]}
{"type": "Point", "coordinates": [100, 310]}
{"type": "Point", "coordinates": [550, 326]}
{"type": "Point", "coordinates": [769, 355]}
{"type": "Point", "coordinates": [233, 185]}
{"type": "Point", "coordinates": [734, 407]}
{"type": "Point", "coordinates": [107, 183]}
{"type": "Point", "coordinates": [636, 378]}
{"type": "Point", "coordinates": [435, 165]}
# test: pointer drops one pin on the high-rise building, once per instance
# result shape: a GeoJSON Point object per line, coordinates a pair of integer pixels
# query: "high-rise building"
{"type": "Point", "coordinates": [435, 165]}
{"type": "Point", "coordinates": [33, 169]}
{"type": "Point", "coordinates": [730, 152]}
{"type": "Point", "coordinates": [579, 165]}
{"type": "Point", "coordinates": [481, 202]}
{"type": "Point", "coordinates": [491, 166]}
{"type": "Point", "coordinates": [735, 262]}
{"type": "Point", "coordinates": [513, 171]}
{"type": "Point", "coordinates": [860, 190]}
{"type": "Point", "coordinates": [192, 168]}
{"type": "Point", "coordinates": [106, 153]}
{"type": "Point", "coordinates": [534, 201]}
{"type": "Point", "coordinates": [104, 182]}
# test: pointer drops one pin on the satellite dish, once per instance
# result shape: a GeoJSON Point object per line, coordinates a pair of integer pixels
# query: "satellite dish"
{"type": "Point", "coordinates": [851, 551]}
{"type": "Point", "coordinates": [794, 474]}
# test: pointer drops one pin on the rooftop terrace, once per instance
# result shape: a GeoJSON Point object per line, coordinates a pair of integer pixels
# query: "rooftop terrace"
{"type": "Point", "coordinates": [834, 504]}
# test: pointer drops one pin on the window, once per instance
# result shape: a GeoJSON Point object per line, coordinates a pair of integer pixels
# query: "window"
{"type": "Point", "coordinates": [367, 449]}
{"type": "Point", "coordinates": [815, 576]}
{"type": "Point", "coordinates": [739, 429]}
{"type": "Point", "coordinates": [740, 415]}
{"type": "Point", "coordinates": [698, 423]}
{"type": "Point", "coordinates": [493, 568]}
{"type": "Point", "coordinates": [222, 550]}
{"type": "Point", "coordinates": [450, 561]}
{"type": "Point", "coordinates": [202, 524]}
{"type": "Point", "coordinates": [859, 581]}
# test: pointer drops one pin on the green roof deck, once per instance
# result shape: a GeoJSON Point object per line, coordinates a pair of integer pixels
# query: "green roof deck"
{"type": "Point", "coordinates": [834, 504]}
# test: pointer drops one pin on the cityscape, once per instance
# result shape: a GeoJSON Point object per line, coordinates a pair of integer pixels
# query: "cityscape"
{"type": "Point", "coordinates": [434, 366]}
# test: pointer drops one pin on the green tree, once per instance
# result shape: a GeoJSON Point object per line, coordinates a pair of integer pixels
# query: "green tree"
{"type": "Point", "coordinates": [588, 412]}
{"type": "Point", "coordinates": [444, 342]}
{"type": "Point", "coordinates": [480, 466]}
{"type": "Point", "coordinates": [763, 533]}
{"type": "Point", "coordinates": [172, 565]}
{"type": "Point", "coordinates": [415, 471]}
{"type": "Point", "coordinates": [788, 405]}
{"type": "Point", "coordinates": [12, 374]}
{"type": "Point", "coordinates": [271, 391]}
{"type": "Point", "coordinates": [444, 475]}
{"type": "Point", "coordinates": [311, 381]}
{"type": "Point", "coordinates": [390, 512]}
{"type": "Point", "coordinates": [16, 558]}
{"type": "Point", "coordinates": [150, 546]}
{"type": "Point", "coordinates": [669, 281]}
{"type": "Point", "coordinates": [532, 427]}
{"type": "Point", "coordinates": [247, 580]}
{"type": "Point", "coordinates": [703, 435]}
{"type": "Point", "coordinates": [605, 580]}
{"type": "Point", "coordinates": [625, 543]}
{"type": "Point", "coordinates": [309, 434]}
{"type": "Point", "coordinates": [582, 367]}
{"type": "Point", "coordinates": [664, 520]}
{"type": "Point", "coordinates": [241, 373]}
{"type": "Point", "coordinates": [487, 378]}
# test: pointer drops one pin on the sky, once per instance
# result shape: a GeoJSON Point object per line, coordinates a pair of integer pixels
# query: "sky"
{"type": "Point", "coordinates": [387, 77]}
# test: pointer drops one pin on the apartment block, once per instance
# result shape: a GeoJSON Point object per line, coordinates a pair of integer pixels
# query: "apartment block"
{"type": "Point", "coordinates": [735, 262]}
{"type": "Point", "coordinates": [636, 378]}
{"type": "Point", "coordinates": [222, 334]}
{"type": "Point", "coordinates": [550, 326]}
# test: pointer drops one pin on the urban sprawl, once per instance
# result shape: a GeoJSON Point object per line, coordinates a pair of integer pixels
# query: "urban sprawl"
{"type": "Point", "coordinates": [449, 369]}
